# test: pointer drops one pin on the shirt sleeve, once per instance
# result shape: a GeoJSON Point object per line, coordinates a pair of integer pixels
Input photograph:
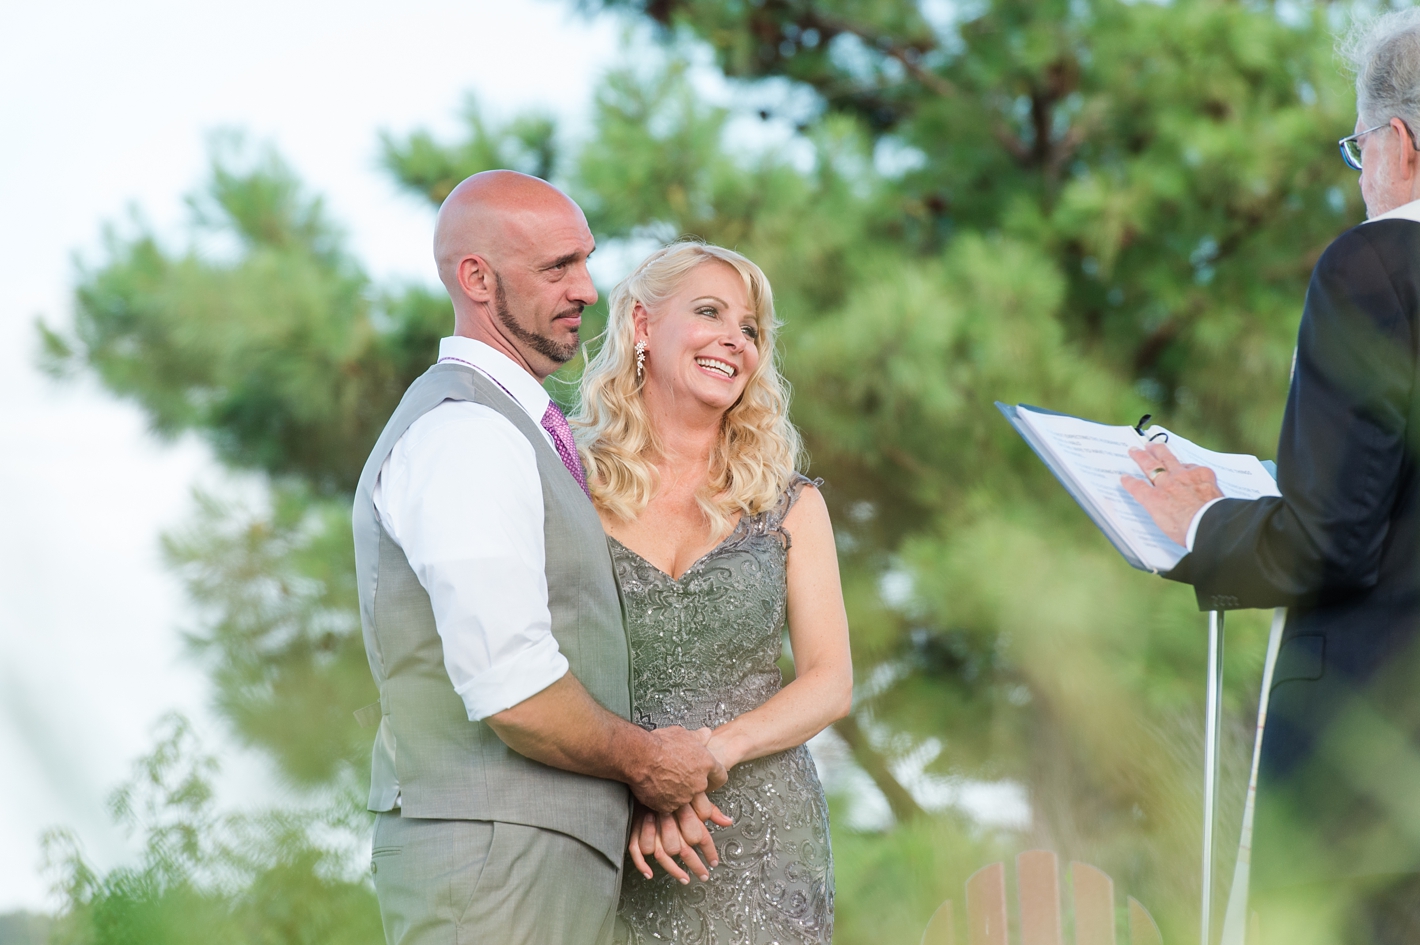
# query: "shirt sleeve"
{"type": "Point", "coordinates": [461, 495]}
{"type": "Point", "coordinates": [1198, 517]}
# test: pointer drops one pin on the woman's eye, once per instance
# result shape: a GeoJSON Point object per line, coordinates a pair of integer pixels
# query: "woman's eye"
{"type": "Point", "coordinates": [707, 311]}
{"type": "Point", "coordinates": [751, 332]}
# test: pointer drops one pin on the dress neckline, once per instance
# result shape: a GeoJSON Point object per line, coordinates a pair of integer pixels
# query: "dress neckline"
{"type": "Point", "coordinates": [694, 564]}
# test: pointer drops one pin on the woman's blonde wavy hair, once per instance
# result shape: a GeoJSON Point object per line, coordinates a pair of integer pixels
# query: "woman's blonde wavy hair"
{"type": "Point", "coordinates": [758, 449]}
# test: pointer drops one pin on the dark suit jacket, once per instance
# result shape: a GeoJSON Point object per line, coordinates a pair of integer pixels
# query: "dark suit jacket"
{"type": "Point", "coordinates": [1340, 781]}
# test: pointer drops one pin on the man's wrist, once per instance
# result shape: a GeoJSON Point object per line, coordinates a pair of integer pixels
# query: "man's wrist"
{"type": "Point", "coordinates": [632, 751]}
{"type": "Point", "coordinates": [1192, 532]}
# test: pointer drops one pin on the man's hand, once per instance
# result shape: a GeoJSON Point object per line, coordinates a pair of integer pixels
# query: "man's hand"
{"type": "Point", "coordinates": [1175, 491]}
{"type": "Point", "coordinates": [675, 767]}
{"type": "Point", "coordinates": [563, 726]}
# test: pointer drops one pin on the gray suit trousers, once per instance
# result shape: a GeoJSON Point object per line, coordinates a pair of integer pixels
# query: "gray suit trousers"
{"type": "Point", "coordinates": [470, 882]}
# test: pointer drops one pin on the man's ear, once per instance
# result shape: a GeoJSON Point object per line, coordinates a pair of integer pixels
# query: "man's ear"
{"type": "Point", "coordinates": [477, 279]}
{"type": "Point", "coordinates": [1409, 164]}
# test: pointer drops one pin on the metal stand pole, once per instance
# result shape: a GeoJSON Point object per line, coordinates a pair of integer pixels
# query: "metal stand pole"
{"type": "Point", "coordinates": [1235, 918]}
{"type": "Point", "coordinates": [1212, 732]}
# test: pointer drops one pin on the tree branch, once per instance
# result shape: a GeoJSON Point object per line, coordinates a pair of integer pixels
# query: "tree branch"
{"type": "Point", "coordinates": [904, 806]}
{"type": "Point", "coordinates": [910, 58]}
{"type": "Point", "coordinates": [909, 55]}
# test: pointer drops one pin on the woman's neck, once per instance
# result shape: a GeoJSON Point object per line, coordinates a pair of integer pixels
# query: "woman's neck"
{"type": "Point", "coordinates": [686, 443]}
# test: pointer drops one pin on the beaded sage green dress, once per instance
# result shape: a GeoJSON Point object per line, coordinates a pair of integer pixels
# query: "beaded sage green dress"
{"type": "Point", "coordinates": [705, 649]}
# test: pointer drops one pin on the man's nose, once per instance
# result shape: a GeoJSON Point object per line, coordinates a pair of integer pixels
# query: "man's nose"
{"type": "Point", "coordinates": [584, 290]}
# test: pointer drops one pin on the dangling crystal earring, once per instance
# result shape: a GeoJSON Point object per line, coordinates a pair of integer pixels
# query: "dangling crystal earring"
{"type": "Point", "coordinates": [640, 358]}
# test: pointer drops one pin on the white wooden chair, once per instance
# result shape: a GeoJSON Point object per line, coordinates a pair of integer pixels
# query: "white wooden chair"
{"type": "Point", "coordinates": [1038, 885]}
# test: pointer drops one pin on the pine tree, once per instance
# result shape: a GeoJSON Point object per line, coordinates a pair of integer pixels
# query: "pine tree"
{"type": "Point", "coordinates": [1108, 208]}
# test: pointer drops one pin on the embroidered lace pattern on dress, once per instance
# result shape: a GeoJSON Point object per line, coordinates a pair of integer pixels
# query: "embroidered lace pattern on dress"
{"type": "Point", "coordinates": [705, 649]}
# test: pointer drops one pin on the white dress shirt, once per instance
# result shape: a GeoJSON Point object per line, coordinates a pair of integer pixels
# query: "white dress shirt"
{"type": "Point", "coordinates": [460, 494]}
{"type": "Point", "coordinates": [1198, 517]}
{"type": "Point", "coordinates": [1406, 211]}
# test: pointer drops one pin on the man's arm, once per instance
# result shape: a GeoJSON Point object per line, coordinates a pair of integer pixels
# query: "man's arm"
{"type": "Point", "coordinates": [461, 496]}
{"type": "Point", "coordinates": [1340, 454]}
{"type": "Point", "coordinates": [563, 726]}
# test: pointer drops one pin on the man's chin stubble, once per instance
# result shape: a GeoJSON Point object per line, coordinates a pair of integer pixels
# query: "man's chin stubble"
{"type": "Point", "coordinates": [547, 347]}
{"type": "Point", "coordinates": [552, 350]}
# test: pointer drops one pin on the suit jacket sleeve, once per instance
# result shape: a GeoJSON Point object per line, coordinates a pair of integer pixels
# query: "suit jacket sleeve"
{"type": "Point", "coordinates": [1341, 452]}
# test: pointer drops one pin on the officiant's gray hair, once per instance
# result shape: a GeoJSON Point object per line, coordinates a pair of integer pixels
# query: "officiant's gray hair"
{"type": "Point", "coordinates": [1384, 52]}
{"type": "Point", "coordinates": [758, 448]}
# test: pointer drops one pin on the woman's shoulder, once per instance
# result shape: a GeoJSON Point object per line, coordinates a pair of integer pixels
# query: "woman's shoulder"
{"type": "Point", "coordinates": [788, 499]}
{"type": "Point", "coordinates": [798, 484]}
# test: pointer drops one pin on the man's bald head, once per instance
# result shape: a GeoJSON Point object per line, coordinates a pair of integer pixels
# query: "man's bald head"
{"type": "Point", "coordinates": [512, 251]}
{"type": "Point", "coordinates": [493, 214]}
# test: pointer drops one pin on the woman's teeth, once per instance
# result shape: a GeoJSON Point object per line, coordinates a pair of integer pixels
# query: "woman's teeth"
{"type": "Point", "coordinates": [725, 369]}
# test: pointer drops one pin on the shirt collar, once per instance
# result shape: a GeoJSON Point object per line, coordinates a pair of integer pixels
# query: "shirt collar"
{"type": "Point", "coordinates": [510, 375]}
{"type": "Point", "coordinates": [1408, 211]}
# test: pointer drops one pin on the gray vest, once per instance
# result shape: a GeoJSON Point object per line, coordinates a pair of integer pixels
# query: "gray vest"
{"type": "Point", "coordinates": [427, 752]}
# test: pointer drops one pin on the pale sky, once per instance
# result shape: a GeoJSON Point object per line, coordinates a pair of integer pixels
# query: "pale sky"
{"type": "Point", "coordinates": [104, 106]}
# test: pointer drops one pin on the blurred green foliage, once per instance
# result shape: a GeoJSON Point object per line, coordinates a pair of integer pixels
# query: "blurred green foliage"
{"type": "Point", "coordinates": [204, 876]}
{"type": "Point", "coordinates": [284, 639]}
{"type": "Point", "coordinates": [1108, 208]}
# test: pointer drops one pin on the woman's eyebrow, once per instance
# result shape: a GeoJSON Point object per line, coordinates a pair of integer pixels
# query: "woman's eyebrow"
{"type": "Point", "coordinates": [718, 301]}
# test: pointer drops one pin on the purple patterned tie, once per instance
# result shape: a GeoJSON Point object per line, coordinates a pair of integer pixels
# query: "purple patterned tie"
{"type": "Point", "coordinates": [556, 425]}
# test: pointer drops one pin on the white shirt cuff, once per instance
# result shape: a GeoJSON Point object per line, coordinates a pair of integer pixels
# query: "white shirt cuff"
{"type": "Point", "coordinates": [1198, 517]}
{"type": "Point", "coordinates": [521, 676]}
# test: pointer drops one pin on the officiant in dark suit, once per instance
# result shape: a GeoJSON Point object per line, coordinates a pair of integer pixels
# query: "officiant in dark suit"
{"type": "Point", "coordinates": [1336, 851]}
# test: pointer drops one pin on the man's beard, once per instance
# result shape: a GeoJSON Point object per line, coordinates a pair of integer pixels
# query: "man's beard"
{"type": "Point", "coordinates": [552, 350]}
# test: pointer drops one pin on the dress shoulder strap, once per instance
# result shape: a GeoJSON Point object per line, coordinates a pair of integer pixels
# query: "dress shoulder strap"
{"type": "Point", "coordinates": [774, 518]}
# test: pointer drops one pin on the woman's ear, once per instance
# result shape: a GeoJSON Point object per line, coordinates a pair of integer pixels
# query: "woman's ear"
{"type": "Point", "coordinates": [640, 320]}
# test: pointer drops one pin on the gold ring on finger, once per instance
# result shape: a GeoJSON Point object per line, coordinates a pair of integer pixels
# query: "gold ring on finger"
{"type": "Point", "coordinates": [1155, 473]}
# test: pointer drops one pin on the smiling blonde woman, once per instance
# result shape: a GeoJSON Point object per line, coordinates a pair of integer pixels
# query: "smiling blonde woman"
{"type": "Point", "coordinates": [750, 465]}
{"type": "Point", "coordinates": [718, 542]}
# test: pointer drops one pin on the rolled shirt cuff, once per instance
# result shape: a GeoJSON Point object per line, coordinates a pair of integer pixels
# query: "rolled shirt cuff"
{"type": "Point", "coordinates": [519, 677]}
{"type": "Point", "coordinates": [1198, 517]}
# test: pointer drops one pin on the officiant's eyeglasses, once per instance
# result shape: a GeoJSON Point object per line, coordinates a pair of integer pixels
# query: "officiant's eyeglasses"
{"type": "Point", "coordinates": [1351, 144]}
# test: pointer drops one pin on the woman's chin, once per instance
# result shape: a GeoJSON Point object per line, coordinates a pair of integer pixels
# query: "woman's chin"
{"type": "Point", "coordinates": [720, 400]}
{"type": "Point", "coordinates": [708, 394]}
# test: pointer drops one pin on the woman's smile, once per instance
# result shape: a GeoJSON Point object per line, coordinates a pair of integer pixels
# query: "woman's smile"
{"type": "Point", "coordinates": [717, 368]}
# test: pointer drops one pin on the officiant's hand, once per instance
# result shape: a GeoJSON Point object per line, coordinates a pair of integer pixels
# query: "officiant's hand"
{"type": "Point", "coordinates": [665, 836]}
{"type": "Point", "coordinates": [676, 767]}
{"type": "Point", "coordinates": [1174, 491]}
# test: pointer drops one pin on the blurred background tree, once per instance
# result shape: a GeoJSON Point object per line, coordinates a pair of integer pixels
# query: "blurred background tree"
{"type": "Point", "coordinates": [1104, 207]}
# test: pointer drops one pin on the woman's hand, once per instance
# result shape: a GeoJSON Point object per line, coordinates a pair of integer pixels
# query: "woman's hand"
{"type": "Point", "coordinates": [666, 836]}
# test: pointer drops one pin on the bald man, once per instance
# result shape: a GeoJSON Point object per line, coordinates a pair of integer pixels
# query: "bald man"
{"type": "Point", "coordinates": [491, 615]}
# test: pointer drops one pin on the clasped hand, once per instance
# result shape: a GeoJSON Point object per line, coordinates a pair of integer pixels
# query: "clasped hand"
{"type": "Point", "coordinates": [663, 837]}
{"type": "Point", "coordinates": [664, 831]}
{"type": "Point", "coordinates": [676, 768]}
